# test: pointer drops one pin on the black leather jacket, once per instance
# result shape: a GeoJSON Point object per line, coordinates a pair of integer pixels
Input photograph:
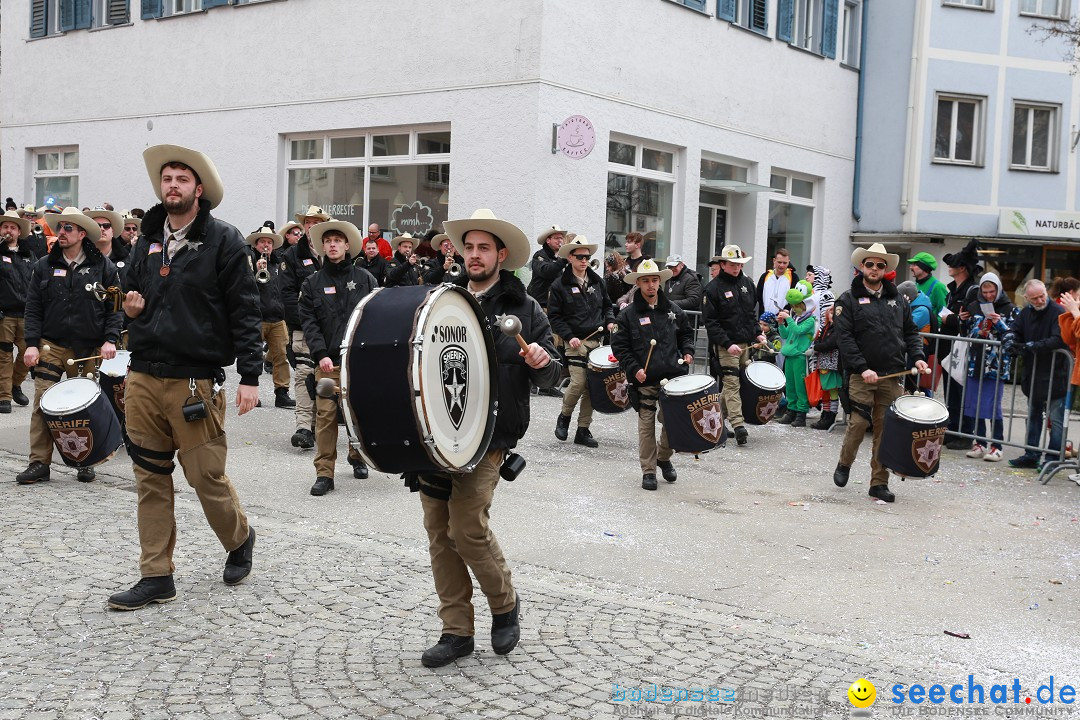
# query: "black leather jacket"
{"type": "Point", "coordinates": [399, 271]}
{"type": "Point", "coordinates": [376, 267]}
{"type": "Point", "coordinates": [545, 266]}
{"type": "Point", "coordinates": [577, 313]}
{"type": "Point", "coordinates": [16, 267]}
{"type": "Point", "coordinates": [300, 262]}
{"type": "Point", "coordinates": [327, 300]}
{"type": "Point", "coordinates": [876, 333]}
{"type": "Point", "coordinates": [729, 310]}
{"type": "Point", "coordinates": [638, 324]}
{"type": "Point", "coordinates": [271, 304]}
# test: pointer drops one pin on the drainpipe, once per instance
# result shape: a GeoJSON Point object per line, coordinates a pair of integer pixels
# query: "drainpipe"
{"type": "Point", "coordinates": [856, 212]}
{"type": "Point", "coordinates": [910, 151]}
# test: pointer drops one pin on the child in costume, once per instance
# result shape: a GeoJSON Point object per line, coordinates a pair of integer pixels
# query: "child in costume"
{"type": "Point", "coordinates": [796, 330]}
{"type": "Point", "coordinates": [825, 361]}
{"type": "Point", "coordinates": [768, 351]}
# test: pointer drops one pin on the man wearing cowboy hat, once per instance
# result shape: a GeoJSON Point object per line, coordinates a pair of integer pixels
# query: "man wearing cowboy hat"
{"type": "Point", "coordinates": [650, 316]}
{"type": "Point", "coordinates": [16, 266]}
{"type": "Point", "coordinates": [300, 262]}
{"type": "Point", "coordinates": [457, 506]}
{"type": "Point", "coordinates": [264, 244]}
{"type": "Point", "coordinates": [877, 336]}
{"type": "Point", "coordinates": [684, 287]}
{"type": "Point", "coordinates": [291, 232]}
{"type": "Point", "coordinates": [110, 223]}
{"type": "Point", "coordinates": [445, 259]}
{"type": "Point", "coordinates": [578, 307]}
{"type": "Point", "coordinates": [964, 269]}
{"type": "Point", "coordinates": [41, 237]}
{"type": "Point", "coordinates": [403, 268]}
{"type": "Point", "coordinates": [327, 300]}
{"type": "Point", "coordinates": [130, 232]}
{"type": "Point", "coordinates": [62, 315]}
{"type": "Point", "coordinates": [729, 311]}
{"type": "Point", "coordinates": [194, 308]}
{"type": "Point", "coordinates": [546, 264]}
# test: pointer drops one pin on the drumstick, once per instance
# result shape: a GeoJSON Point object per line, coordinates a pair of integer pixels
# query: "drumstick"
{"type": "Point", "coordinates": [326, 388]}
{"type": "Point", "coordinates": [912, 371]}
{"type": "Point", "coordinates": [599, 329]}
{"type": "Point", "coordinates": [511, 326]}
{"type": "Point", "coordinates": [72, 361]}
{"type": "Point", "coordinates": [652, 344]}
{"type": "Point", "coordinates": [46, 348]}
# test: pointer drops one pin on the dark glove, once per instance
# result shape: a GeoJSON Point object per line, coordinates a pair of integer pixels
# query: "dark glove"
{"type": "Point", "coordinates": [1030, 346]}
{"type": "Point", "coordinates": [1008, 345]}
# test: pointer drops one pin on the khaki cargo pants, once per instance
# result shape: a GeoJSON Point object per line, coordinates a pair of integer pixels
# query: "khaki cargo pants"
{"type": "Point", "coordinates": [326, 429]}
{"type": "Point", "coordinates": [649, 412]}
{"type": "Point", "coordinates": [305, 406]}
{"type": "Point", "coordinates": [276, 335]}
{"type": "Point", "coordinates": [877, 396]}
{"type": "Point", "coordinates": [730, 379]}
{"type": "Point", "coordinates": [576, 360]}
{"type": "Point", "coordinates": [12, 346]}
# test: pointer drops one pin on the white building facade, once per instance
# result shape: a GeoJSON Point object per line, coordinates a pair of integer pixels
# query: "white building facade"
{"type": "Point", "coordinates": [694, 122]}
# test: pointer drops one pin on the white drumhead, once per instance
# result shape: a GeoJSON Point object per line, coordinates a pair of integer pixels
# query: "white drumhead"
{"type": "Point", "coordinates": [688, 384]}
{"type": "Point", "coordinates": [919, 408]}
{"type": "Point", "coordinates": [117, 366]}
{"type": "Point", "coordinates": [601, 357]}
{"type": "Point", "coordinates": [69, 396]}
{"type": "Point", "coordinates": [765, 375]}
{"type": "Point", "coordinates": [451, 376]}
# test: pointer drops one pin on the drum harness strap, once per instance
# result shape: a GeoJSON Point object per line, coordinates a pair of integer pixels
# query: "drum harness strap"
{"type": "Point", "coordinates": [301, 359]}
{"type": "Point", "coordinates": [137, 454]}
{"type": "Point", "coordinates": [434, 486]}
{"type": "Point", "coordinates": [577, 361]}
{"type": "Point", "coordinates": [729, 371]}
{"type": "Point", "coordinates": [7, 347]}
{"type": "Point", "coordinates": [49, 372]}
{"type": "Point", "coordinates": [861, 409]}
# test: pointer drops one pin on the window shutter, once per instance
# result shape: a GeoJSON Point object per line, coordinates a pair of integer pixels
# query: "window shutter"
{"type": "Point", "coordinates": [828, 29]}
{"type": "Point", "coordinates": [82, 14]}
{"type": "Point", "coordinates": [151, 9]}
{"type": "Point", "coordinates": [725, 10]}
{"type": "Point", "coordinates": [759, 18]}
{"type": "Point", "coordinates": [785, 19]}
{"type": "Point", "coordinates": [67, 15]}
{"type": "Point", "coordinates": [117, 12]}
{"type": "Point", "coordinates": [207, 4]}
{"type": "Point", "coordinates": [37, 18]}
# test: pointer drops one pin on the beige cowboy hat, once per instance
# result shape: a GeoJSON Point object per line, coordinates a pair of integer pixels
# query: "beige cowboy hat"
{"type": "Point", "coordinates": [734, 253]}
{"type": "Point", "coordinates": [23, 223]}
{"type": "Point", "coordinates": [553, 230]}
{"type": "Point", "coordinates": [404, 237]}
{"type": "Point", "coordinates": [266, 232]}
{"type": "Point", "coordinates": [74, 216]}
{"type": "Point", "coordinates": [876, 250]}
{"type": "Point", "coordinates": [157, 156]}
{"type": "Point", "coordinates": [28, 210]}
{"type": "Point", "coordinates": [130, 219]}
{"type": "Point", "coordinates": [289, 226]}
{"type": "Point", "coordinates": [346, 228]}
{"type": "Point", "coordinates": [646, 268]}
{"type": "Point", "coordinates": [313, 211]}
{"type": "Point", "coordinates": [115, 219]}
{"type": "Point", "coordinates": [438, 240]}
{"type": "Point", "coordinates": [514, 240]}
{"type": "Point", "coordinates": [580, 242]}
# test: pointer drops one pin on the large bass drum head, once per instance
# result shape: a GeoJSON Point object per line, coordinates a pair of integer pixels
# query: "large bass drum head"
{"type": "Point", "coordinates": [454, 378]}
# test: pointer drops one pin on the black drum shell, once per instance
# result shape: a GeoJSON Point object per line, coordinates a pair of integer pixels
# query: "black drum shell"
{"type": "Point", "coordinates": [597, 379]}
{"type": "Point", "coordinates": [754, 398]}
{"type": "Point", "coordinates": [113, 390]}
{"type": "Point", "coordinates": [680, 423]}
{"type": "Point", "coordinates": [901, 440]}
{"type": "Point", "coordinates": [98, 420]}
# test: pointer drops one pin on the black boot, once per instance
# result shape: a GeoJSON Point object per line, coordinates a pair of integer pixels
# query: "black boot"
{"type": "Point", "coordinates": [322, 486]}
{"type": "Point", "coordinates": [86, 474]}
{"type": "Point", "coordinates": [648, 481]}
{"type": "Point", "coordinates": [882, 492]}
{"type": "Point", "coordinates": [282, 399]}
{"type": "Point", "coordinates": [5, 406]}
{"type": "Point", "coordinates": [19, 396]}
{"type": "Point", "coordinates": [146, 591]}
{"type": "Point", "coordinates": [447, 650]}
{"type": "Point", "coordinates": [359, 469]}
{"type": "Point", "coordinates": [741, 435]}
{"type": "Point", "coordinates": [800, 420]}
{"type": "Point", "coordinates": [825, 421]}
{"type": "Point", "coordinates": [840, 475]}
{"type": "Point", "coordinates": [562, 427]}
{"type": "Point", "coordinates": [505, 631]}
{"type": "Point", "coordinates": [37, 471]}
{"type": "Point", "coordinates": [303, 439]}
{"type": "Point", "coordinates": [584, 437]}
{"type": "Point", "coordinates": [667, 470]}
{"type": "Point", "coordinates": [238, 563]}
{"type": "Point", "coordinates": [789, 417]}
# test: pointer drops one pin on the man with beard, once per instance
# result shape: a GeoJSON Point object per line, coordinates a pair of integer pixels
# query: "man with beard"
{"type": "Point", "coordinates": [546, 264]}
{"type": "Point", "coordinates": [327, 300]}
{"type": "Point", "coordinates": [16, 266]}
{"type": "Point", "coordinates": [64, 322]}
{"type": "Point", "coordinates": [403, 268]}
{"type": "Point", "coordinates": [194, 309]}
{"type": "Point", "coordinates": [299, 262]}
{"type": "Point", "coordinates": [373, 261]}
{"type": "Point", "coordinates": [877, 336]}
{"type": "Point", "coordinates": [457, 506]}
{"type": "Point", "coordinates": [264, 244]}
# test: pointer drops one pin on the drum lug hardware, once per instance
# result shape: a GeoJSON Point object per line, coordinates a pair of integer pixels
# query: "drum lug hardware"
{"type": "Point", "coordinates": [406, 443]}
{"type": "Point", "coordinates": [430, 441]}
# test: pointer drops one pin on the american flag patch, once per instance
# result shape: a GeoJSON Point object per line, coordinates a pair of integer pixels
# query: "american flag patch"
{"type": "Point", "coordinates": [645, 321]}
{"type": "Point", "coordinates": [7, 259]}
{"type": "Point", "coordinates": [728, 294]}
{"type": "Point", "coordinates": [330, 290]}
{"type": "Point", "coordinates": [864, 301]}
{"type": "Point", "coordinates": [154, 248]}
{"type": "Point", "coordinates": [573, 289]}
{"type": "Point", "coordinates": [59, 272]}
{"type": "Point", "coordinates": [308, 261]}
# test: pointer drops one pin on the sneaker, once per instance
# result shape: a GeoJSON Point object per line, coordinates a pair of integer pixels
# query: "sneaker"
{"type": "Point", "coordinates": [976, 451]}
{"type": "Point", "coordinates": [19, 396]}
{"type": "Point", "coordinates": [993, 455]}
{"type": "Point", "coordinates": [1075, 477]}
{"type": "Point", "coordinates": [37, 471]}
{"type": "Point", "coordinates": [1025, 461]}
{"type": "Point", "coordinates": [147, 590]}
{"type": "Point", "coordinates": [238, 563]}
{"type": "Point", "coordinates": [447, 650]}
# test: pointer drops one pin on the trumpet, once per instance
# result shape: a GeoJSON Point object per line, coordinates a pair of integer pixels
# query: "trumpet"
{"type": "Point", "coordinates": [262, 276]}
{"type": "Point", "coordinates": [454, 271]}
{"type": "Point", "coordinates": [594, 264]}
{"type": "Point", "coordinates": [100, 293]}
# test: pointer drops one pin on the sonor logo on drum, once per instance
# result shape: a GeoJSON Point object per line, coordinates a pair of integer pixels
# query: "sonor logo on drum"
{"type": "Point", "coordinates": [75, 443]}
{"type": "Point", "coordinates": [767, 407]}
{"type": "Point", "coordinates": [926, 451]}
{"type": "Point", "coordinates": [618, 389]}
{"type": "Point", "coordinates": [454, 366]}
{"type": "Point", "coordinates": [450, 334]}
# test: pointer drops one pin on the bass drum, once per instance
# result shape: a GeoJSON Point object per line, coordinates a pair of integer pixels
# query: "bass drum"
{"type": "Point", "coordinates": [692, 416]}
{"type": "Point", "coordinates": [760, 388]}
{"type": "Point", "coordinates": [84, 427]}
{"type": "Point", "coordinates": [913, 436]}
{"type": "Point", "coordinates": [112, 376]}
{"type": "Point", "coordinates": [609, 392]}
{"type": "Point", "coordinates": [418, 376]}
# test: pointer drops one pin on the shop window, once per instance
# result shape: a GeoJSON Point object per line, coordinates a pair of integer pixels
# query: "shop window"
{"type": "Point", "coordinates": [56, 176]}
{"type": "Point", "coordinates": [750, 14]}
{"type": "Point", "coordinates": [641, 182]}
{"type": "Point", "coordinates": [347, 147]}
{"type": "Point", "coordinates": [958, 136]}
{"type": "Point", "coordinates": [791, 217]}
{"type": "Point", "coordinates": [1034, 137]}
{"type": "Point", "coordinates": [1050, 9]}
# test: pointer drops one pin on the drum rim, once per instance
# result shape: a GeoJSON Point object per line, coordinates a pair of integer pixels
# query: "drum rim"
{"type": "Point", "coordinates": [101, 367]}
{"type": "Point", "coordinates": [688, 392]}
{"type": "Point", "coordinates": [71, 411]}
{"type": "Point", "coordinates": [352, 425]}
{"type": "Point", "coordinates": [746, 372]}
{"type": "Point", "coordinates": [590, 363]}
{"type": "Point", "coordinates": [921, 421]}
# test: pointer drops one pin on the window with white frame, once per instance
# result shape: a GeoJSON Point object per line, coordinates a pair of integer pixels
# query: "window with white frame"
{"type": "Point", "coordinates": [110, 12]}
{"type": "Point", "coordinates": [180, 7]}
{"type": "Point", "coordinates": [807, 25]}
{"type": "Point", "coordinates": [1053, 9]}
{"type": "Point", "coordinates": [975, 4]}
{"type": "Point", "coordinates": [791, 216]}
{"type": "Point", "coordinates": [850, 27]}
{"type": "Point", "coordinates": [399, 179]}
{"type": "Point", "coordinates": [44, 18]}
{"type": "Point", "coordinates": [56, 176]}
{"type": "Point", "coordinates": [753, 14]}
{"type": "Point", "coordinates": [641, 183]}
{"type": "Point", "coordinates": [958, 129]}
{"type": "Point", "coordinates": [1034, 137]}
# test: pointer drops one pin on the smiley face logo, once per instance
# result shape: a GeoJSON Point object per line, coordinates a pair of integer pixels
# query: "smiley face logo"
{"type": "Point", "coordinates": [862, 693]}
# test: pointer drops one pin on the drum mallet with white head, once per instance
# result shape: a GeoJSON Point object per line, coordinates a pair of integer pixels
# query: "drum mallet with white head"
{"type": "Point", "coordinates": [511, 326]}
{"type": "Point", "coordinates": [327, 388]}
{"type": "Point", "coordinates": [72, 361]}
{"type": "Point", "coordinates": [652, 344]}
{"type": "Point", "coordinates": [912, 371]}
{"type": "Point", "coordinates": [599, 329]}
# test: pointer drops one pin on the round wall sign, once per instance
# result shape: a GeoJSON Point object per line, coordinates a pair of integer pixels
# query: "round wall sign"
{"type": "Point", "coordinates": [576, 136]}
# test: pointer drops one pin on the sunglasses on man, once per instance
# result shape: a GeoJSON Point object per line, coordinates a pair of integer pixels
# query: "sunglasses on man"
{"type": "Point", "coordinates": [870, 264]}
{"type": "Point", "coordinates": [105, 226]}
{"type": "Point", "coordinates": [580, 256]}
{"type": "Point", "coordinates": [68, 227]}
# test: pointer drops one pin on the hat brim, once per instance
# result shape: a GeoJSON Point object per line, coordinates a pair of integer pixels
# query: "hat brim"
{"type": "Point", "coordinates": [518, 249]}
{"type": "Point", "coordinates": [137, 222]}
{"type": "Point", "coordinates": [631, 278]}
{"type": "Point", "coordinates": [300, 217]}
{"type": "Point", "coordinates": [567, 248]}
{"type": "Point", "coordinates": [92, 230]}
{"type": "Point", "coordinates": [157, 156]}
{"type": "Point", "coordinates": [400, 239]}
{"type": "Point", "coordinates": [254, 237]}
{"type": "Point", "coordinates": [860, 254]}
{"type": "Point", "coordinates": [542, 237]}
{"type": "Point", "coordinates": [23, 223]}
{"type": "Point", "coordinates": [315, 234]}
{"type": "Point", "coordinates": [115, 219]}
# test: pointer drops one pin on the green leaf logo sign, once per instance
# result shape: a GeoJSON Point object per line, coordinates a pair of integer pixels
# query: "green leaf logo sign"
{"type": "Point", "coordinates": [1020, 222]}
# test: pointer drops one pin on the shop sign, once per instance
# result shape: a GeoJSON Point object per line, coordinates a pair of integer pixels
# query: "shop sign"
{"type": "Point", "coordinates": [1039, 223]}
{"type": "Point", "coordinates": [415, 219]}
{"type": "Point", "coordinates": [575, 137]}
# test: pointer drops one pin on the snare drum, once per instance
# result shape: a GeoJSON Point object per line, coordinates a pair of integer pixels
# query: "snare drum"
{"type": "Point", "coordinates": [112, 376]}
{"type": "Point", "coordinates": [760, 388]}
{"type": "Point", "coordinates": [913, 436]}
{"type": "Point", "coordinates": [692, 416]}
{"type": "Point", "coordinates": [418, 376]}
{"type": "Point", "coordinates": [609, 390]}
{"type": "Point", "coordinates": [83, 426]}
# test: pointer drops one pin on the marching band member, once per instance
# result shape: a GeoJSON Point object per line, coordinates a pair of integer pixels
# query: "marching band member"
{"type": "Point", "coordinates": [546, 263]}
{"type": "Point", "coordinates": [130, 232]}
{"type": "Point", "coordinates": [264, 245]}
{"type": "Point", "coordinates": [456, 507]}
{"type": "Point", "coordinates": [326, 301]}
{"type": "Point", "coordinates": [291, 232]}
{"type": "Point", "coordinates": [194, 309]}
{"type": "Point", "coordinates": [63, 315]}
{"type": "Point", "coordinates": [301, 261]}
{"type": "Point", "coordinates": [578, 305]}
{"type": "Point", "coordinates": [651, 336]}
{"type": "Point", "coordinates": [108, 242]}
{"type": "Point", "coordinates": [16, 266]}
{"type": "Point", "coordinates": [446, 259]}
{"type": "Point", "coordinates": [402, 269]}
